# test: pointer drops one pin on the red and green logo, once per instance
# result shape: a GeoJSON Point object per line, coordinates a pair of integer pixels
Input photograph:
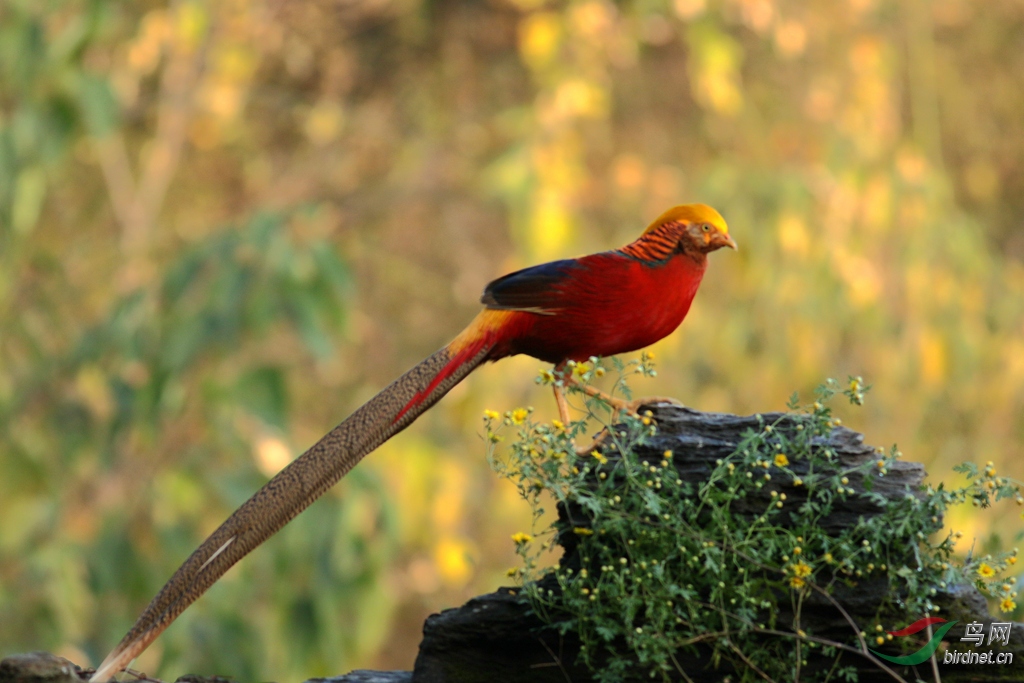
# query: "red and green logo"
{"type": "Point", "coordinates": [929, 648]}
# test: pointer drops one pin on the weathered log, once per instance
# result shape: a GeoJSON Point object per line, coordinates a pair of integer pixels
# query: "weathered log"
{"type": "Point", "coordinates": [496, 637]}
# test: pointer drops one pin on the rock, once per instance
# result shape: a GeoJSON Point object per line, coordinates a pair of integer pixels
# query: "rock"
{"type": "Point", "coordinates": [39, 667]}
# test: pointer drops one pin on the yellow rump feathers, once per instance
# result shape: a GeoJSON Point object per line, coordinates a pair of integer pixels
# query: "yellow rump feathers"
{"type": "Point", "coordinates": [691, 213]}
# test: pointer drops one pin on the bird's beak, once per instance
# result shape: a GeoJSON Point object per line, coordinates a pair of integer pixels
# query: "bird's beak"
{"type": "Point", "coordinates": [724, 240]}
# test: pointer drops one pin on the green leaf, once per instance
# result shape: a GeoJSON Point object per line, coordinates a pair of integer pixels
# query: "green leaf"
{"type": "Point", "coordinates": [263, 393]}
{"type": "Point", "coordinates": [100, 107]}
{"type": "Point", "coordinates": [29, 192]}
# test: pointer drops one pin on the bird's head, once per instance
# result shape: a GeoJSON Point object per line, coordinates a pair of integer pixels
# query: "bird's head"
{"type": "Point", "coordinates": [700, 228]}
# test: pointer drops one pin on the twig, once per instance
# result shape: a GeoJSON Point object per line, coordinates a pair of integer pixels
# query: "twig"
{"type": "Point", "coordinates": [846, 615]}
{"type": "Point", "coordinates": [556, 659]}
{"type": "Point", "coordinates": [746, 660]}
{"type": "Point", "coordinates": [136, 202]}
{"type": "Point", "coordinates": [796, 625]}
{"type": "Point", "coordinates": [679, 668]}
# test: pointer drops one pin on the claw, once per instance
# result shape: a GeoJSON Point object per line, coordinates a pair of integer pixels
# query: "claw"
{"type": "Point", "coordinates": [635, 404]}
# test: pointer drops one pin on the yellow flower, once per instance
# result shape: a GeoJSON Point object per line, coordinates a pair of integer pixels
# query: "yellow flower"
{"type": "Point", "coordinates": [828, 558]}
{"type": "Point", "coordinates": [781, 460]}
{"type": "Point", "coordinates": [802, 569]}
{"type": "Point", "coordinates": [985, 571]}
{"type": "Point", "coordinates": [582, 531]}
{"type": "Point", "coordinates": [1007, 605]}
{"type": "Point", "coordinates": [797, 582]}
{"type": "Point", "coordinates": [491, 414]}
{"type": "Point", "coordinates": [520, 538]}
{"type": "Point", "coordinates": [598, 457]}
{"type": "Point", "coordinates": [798, 482]}
{"type": "Point", "coordinates": [512, 571]}
{"type": "Point", "coordinates": [518, 415]}
{"type": "Point", "coordinates": [1011, 560]}
{"type": "Point", "coordinates": [557, 424]}
{"type": "Point", "coordinates": [547, 376]}
{"type": "Point", "coordinates": [580, 369]}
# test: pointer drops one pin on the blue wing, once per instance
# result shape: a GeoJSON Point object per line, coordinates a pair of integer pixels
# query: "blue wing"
{"type": "Point", "coordinates": [537, 289]}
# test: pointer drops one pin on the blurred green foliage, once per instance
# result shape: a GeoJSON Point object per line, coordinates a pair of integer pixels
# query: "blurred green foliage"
{"type": "Point", "coordinates": [223, 227]}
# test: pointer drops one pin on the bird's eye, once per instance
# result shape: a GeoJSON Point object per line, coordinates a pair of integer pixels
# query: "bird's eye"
{"type": "Point", "coordinates": [706, 227]}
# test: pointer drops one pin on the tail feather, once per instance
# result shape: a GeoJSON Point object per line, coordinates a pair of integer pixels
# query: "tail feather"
{"type": "Point", "coordinates": [296, 486]}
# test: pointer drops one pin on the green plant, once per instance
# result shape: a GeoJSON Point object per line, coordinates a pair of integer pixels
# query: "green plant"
{"type": "Point", "coordinates": [667, 567]}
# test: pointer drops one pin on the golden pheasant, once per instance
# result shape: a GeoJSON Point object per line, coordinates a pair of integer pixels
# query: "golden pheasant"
{"type": "Point", "coordinates": [598, 305]}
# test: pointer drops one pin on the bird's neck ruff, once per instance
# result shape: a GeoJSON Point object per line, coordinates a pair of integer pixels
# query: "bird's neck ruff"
{"type": "Point", "coordinates": [659, 245]}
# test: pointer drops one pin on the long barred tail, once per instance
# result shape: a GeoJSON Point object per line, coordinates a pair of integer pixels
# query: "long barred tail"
{"type": "Point", "coordinates": [299, 484]}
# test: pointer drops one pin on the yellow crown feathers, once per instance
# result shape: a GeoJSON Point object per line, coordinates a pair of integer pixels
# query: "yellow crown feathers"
{"type": "Point", "coordinates": [691, 213]}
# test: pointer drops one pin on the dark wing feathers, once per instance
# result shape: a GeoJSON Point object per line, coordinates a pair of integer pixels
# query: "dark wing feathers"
{"type": "Point", "coordinates": [534, 289]}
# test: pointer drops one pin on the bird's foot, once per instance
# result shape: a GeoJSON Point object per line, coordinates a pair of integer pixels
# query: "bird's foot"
{"type": "Point", "coordinates": [620, 406]}
{"type": "Point", "coordinates": [632, 407]}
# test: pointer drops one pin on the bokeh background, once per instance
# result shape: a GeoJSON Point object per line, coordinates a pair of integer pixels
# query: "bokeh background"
{"type": "Point", "coordinates": [223, 226]}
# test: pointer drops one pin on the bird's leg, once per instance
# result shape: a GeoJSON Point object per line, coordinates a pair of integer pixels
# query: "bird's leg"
{"type": "Point", "coordinates": [618, 404]}
{"type": "Point", "coordinates": [563, 405]}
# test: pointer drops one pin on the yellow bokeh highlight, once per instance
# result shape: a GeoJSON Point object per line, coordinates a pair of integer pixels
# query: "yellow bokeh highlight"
{"type": "Point", "coordinates": [324, 123]}
{"type": "Point", "coordinates": [715, 72]}
{"type": "Point", "coordinates": [933, 358]}
{"type": "Point", "coordinates": [591, 19]}
{"type": "Point", "coordinates": [452, 557]}
{"type": "Point", "coordinates": [449, 498]}
{"type": "Point", "coordinates": [862, 278]}
{"type": "Point", "coordinates": [689, 9]}
{"type": "Point", "coordinates": [272, 455]}
{"type": "Point", "coordinates": [550, 227]}
{"type": "Point", "coordinates": [539, 37]}
{"type": "Point", "coordinates": [191, 20]}
{"type": "Point", "coordinates": [579, 98]}
{"type": "Point", "coordinates": [793, 235]}
{"type": "Point", "coordinates": [791, 38]}
{"type": "Point", "coordinates": [757, 14]}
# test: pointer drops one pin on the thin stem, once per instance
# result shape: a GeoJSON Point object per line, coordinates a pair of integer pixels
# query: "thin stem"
{"type": "Point", "coordinates": [846, 615]}
{"type": "Point", "coordinates": [746, 660]}
{"type": "Point", "coordinates": [679, 668]}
